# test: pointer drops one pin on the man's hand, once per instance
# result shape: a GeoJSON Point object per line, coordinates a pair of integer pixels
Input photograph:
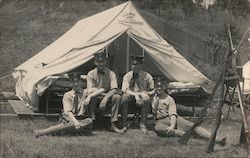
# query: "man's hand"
{"type": "Point", "coordinates": [91, 90]}
{"type": "Point", "coordinates": [103, 94]}
{"type": "Point", "coordinates": [170, 131]}
{"type": "Point", "coordinates": [103, 104]}
{"type": "Point", "coordinates": [154, 111]}
{"type": "Point", "coordinates": [144, 96]}
{"type": "Point", "coordinates": [155, 101]}
{"type": "Point", "coordinates": [77, 124]}
{"type": "Point", "coordinates": [87, 101]}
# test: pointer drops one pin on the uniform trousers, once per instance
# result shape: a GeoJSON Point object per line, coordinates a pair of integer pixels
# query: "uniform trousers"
{"type": "Point", "coordinates": [112, 106]}
{"type": "Point", "coordinates": [128, 103]}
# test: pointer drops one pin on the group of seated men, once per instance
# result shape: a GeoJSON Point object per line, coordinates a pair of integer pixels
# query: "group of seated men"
{"type": "Point", "coordinates": [139, 91]}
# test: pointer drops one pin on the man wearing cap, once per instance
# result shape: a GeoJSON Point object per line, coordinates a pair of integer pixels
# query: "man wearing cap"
{"type": "Point", "coordinates": [167, 122]}
{"type": "Point", "coordinates": [137, 86]}
{"type": "Point", "coordinates": [73, 109]}
{"type": "Point", "coordinates": [103, 80]}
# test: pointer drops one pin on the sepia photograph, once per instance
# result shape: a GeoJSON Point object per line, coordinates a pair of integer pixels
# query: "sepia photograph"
{"type": "Point", "coordinates": [124, 78]}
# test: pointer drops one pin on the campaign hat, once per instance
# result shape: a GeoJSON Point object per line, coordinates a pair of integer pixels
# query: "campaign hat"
{"type": "Point", "coordinates": [137, 59]}
{"type": "Point", "coordinates": [100, 58]}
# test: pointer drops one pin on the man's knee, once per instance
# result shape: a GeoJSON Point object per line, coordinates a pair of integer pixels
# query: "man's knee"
{"type": "Point", "coordinates": [160, 130]}
{"type": "Point", "coordinates": [183, 123]}
{"type": "Point", "coordinates": [93, 100]}
{"type": "Point", "coordinates": [125, 98]}
{"type": "Point", "coordinates": [116, 97]}
{"type": "Point", "coordinates": [146, 99]}
{"type": "Point", "coordinates": [156, 128]}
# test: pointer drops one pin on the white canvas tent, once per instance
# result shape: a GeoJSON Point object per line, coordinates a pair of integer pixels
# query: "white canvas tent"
{"type": "Point", "coordinates": [92, 34]}
{"type": "Point", "coordinates": [246, 76]}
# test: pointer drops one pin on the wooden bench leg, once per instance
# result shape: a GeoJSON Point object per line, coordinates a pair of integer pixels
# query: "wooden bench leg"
{"type": "Point", "coordinates": [193, 109]}
{"type": "Point", "coordinates": [47, 103]}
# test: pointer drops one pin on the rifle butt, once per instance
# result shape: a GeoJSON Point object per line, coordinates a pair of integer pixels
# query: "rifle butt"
{"type": "Point", "coordinates": [211, 142]}
{"type": "Point", "coordinates": [184, 139]}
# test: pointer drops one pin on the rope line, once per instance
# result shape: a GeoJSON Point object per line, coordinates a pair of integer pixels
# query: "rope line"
{"type": "Point", "coordinates": [5, 76]}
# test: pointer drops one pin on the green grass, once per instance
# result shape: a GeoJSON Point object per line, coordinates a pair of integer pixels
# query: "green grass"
{"type": "Point", "coordinates": [17, 140]}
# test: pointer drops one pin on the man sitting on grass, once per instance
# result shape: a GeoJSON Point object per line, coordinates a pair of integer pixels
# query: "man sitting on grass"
{"type": "Point", "coordinates": [168, 123]}
{"type": "Point", "coordinates": [73, 109]}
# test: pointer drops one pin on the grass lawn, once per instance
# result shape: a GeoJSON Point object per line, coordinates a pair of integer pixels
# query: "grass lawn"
{"type": "Point", "coordinates": [17, 140]}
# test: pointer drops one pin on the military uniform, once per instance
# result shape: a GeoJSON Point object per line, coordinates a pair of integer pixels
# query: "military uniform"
{"type": "Point", "coordinates": [140, 82]}
{"type": "Point", "coordinates": [167, 122]}
{"type": "Point", "coordinates": [107, 80]}
{"type": "Point", "coordinates": [104, 79]}
{"type": "Point", "coordinates": [164, 108]}
{"type": "Point", "coordinates": [72, 103]}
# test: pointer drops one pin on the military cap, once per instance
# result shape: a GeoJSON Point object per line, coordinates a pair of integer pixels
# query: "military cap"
{"type": "Point", "coordinates": [76, 79]}
{"type": "Point", "coordinates": [100, 58]}
{"type": "Point", "coordinates": [137, 59]}
{"type": "Point", "coordinates": [74, 74]}
{"type": "Point", "coordinates": [161, 82]}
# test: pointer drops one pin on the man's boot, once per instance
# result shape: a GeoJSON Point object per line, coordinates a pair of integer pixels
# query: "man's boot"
{"type": "Point", "coordinates": [39, 133]}
{"type": "Point", "coordinates": [115, 129]}
{"type": "Point", "coordinates": [143, 128]}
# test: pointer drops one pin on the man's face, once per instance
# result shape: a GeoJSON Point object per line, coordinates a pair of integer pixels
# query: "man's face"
{"type": "Point", "coordinates": [160, 89]}
{"type": "Point", "coordinates": [100, 63]}
{"type": "Point", "coordinates": [101, 67]}
{"type": "Point", "coordinates": [77, 84]}
{"type": "Point", "coordinates": [136, 67]}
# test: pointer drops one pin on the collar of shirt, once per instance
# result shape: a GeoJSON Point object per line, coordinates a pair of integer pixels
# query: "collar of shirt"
{"type": "Point", "coordinates": [101, 72]}
{"type": "Point", "coordinates": [163, 96]}
{"type": "Point", "coordinates": [135, 75]}
{"type": "Point", "coordinates": [77, 92]}
{"type": "Point", "coordinates": [104, 72]}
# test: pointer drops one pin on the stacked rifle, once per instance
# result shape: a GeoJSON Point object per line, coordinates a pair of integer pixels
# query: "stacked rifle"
{"type": "Point", "coordinates": [228, 78]}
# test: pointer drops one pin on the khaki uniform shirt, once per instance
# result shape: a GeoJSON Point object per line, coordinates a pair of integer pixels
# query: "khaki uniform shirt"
{"type": "Point", "coordinates": [164, 107]}
{"type": "Point", "coordinates": [144, 82]}
{"type": "Point", "coordinates": [107, 80]}
{"type": "Point", "coordinates": [69, 104]}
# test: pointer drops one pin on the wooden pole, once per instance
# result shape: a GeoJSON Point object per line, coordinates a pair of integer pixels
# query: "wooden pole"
{"type": "Point", "coordinates": [241, 106]}
{"type": "Point", "coordinates": [127, 54]}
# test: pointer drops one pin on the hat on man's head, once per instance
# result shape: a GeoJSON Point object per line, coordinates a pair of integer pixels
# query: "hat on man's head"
{"type": "Point", "coordinates": [137, 59]}
{"type": "Point", "coordinates": [74, 74]}
{"type": "Point", "coordinates": [100, 58]}
{"type": "Point", "coordinates": [161, 82]}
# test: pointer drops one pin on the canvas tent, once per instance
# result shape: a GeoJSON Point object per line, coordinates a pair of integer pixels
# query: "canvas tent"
{"type": "Point", "coordinates": [92, 34]}
{"type": "Point", "coordinates": [246, 76]}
